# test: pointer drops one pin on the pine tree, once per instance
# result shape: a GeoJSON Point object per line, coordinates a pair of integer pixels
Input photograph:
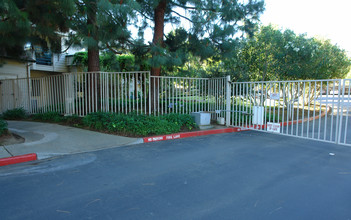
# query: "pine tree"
{"type": "Point", "coordinates": [214, 24]}
{"type": "Point", "coordinates": [33, 22]}
{"type": "Point", "coordinates": [102, 25]}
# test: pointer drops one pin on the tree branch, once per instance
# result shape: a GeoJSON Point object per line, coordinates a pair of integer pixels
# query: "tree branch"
{"type": "Point", "coordinates": [193, 8]}
{"type": "Point", "coordinates": [182, 16]}
{"type": "Point", "coordinates": [69, 46]}
{"type": "Point", "coordinates": [113, 50]}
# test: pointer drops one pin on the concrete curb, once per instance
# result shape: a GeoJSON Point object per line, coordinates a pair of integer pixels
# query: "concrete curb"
{"type": "Point", "coordinates": [18, 159]}
{"type": "Point", "coordinates": [190, 134]}
{"type": "Point", "coordinates": [33, 156]}
{"type": "Point", "coordinates": [224, 130]}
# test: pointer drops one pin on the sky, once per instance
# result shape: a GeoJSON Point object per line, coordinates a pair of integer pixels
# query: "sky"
{"type": "Point", "coordinates": [328, 19]}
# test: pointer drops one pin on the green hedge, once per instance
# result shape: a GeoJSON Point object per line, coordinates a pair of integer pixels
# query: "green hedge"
{"type": "Point", "coordinates": [14, 114]}
{"type": "Point", "coordinates": [139, 124]}
{"type": "Point", "coordinates": [129, 124]}
{"type": "Point", "coordinates": [50, 116]}
{"type": "Point", "coordinates": [3, 127]}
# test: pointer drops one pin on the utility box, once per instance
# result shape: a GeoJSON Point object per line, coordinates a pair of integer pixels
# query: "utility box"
{"type": "Point", "coordinates": [258, 115]}
{"type": "Point", "coordinates": [202, 118]}
{"type": "Point", "coordinates": [220, 120]}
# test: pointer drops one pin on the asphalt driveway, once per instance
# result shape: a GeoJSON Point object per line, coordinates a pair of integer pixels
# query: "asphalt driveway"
{"type": "Point", "coordinates": [245, 175]}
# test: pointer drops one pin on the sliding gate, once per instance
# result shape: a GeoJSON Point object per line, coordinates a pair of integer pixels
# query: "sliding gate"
{"type": "Point", "coordinates": [316, 109]}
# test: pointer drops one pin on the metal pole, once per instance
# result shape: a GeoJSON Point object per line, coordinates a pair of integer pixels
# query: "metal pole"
{"type": "Point", "coordinates": [228, 107]}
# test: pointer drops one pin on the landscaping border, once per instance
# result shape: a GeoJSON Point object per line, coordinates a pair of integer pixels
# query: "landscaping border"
{"type": "Point", "coordinates": [224, 130]}
{"type": "Point", "coordinates": [18, 159]}
{"type": "Point", "coordinates": [190, 134]}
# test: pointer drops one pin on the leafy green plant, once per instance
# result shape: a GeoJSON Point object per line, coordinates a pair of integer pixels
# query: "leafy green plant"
{"type": "Point", "coordinates": [97, 120]}
{"type": "Point", "coordinates": [138, 124]}
{"type": "Point", "coordinates": [74, 120]}
{"type": "Point", "coordinates": [14, 114]}
{"type": "Point", "coordinates": [183, 120]}
{"type": "Point", "coordinates": [49, 116]}
{"type": "Point", "coordinates": [3, 127]}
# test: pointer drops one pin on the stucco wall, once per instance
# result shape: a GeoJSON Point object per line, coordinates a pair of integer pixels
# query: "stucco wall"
{"type": "Point", "coordinates": [11, 69]}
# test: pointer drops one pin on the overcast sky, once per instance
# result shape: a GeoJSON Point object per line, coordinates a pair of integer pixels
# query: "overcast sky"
{"type": "Point", "coordinates": [330, 19]}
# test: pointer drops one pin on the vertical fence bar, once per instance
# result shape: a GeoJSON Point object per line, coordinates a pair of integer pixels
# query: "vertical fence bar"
{"type": "Point", "coordinates": [326, 112]}
{"type": "Point", "coordinates": [309, 108]}
{"type": "Point", "coordinates": [298, 109]}
{"type": "Point", "coordinates": [303, 109]}
{"type": "Point", "coordinates": [320, 112]}
{"type": "Point", "coordinates": [340, 109]}
{"type": "Point", "coordinates": [332, 114]}
{"type": "Point", "coordinates": [228, 104]}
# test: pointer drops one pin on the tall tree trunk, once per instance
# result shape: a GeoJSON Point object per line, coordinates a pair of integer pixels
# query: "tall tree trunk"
{"type": "Point", "coordinates": [93, 49]}
{"type": "Point", "coordinates": [93, 60]}
{"type": "Point", "coordinates": [159, 20]}
{"type": "Point", "coordinates": [93, 53]}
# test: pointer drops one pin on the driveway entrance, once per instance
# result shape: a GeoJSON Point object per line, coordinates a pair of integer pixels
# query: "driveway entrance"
{"type": "Point", "coordinates": [244, 175]}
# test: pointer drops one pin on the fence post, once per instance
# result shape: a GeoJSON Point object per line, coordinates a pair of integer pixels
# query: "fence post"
{"type": "Point", "coordinates": [339, 111]}
{"type": "Point", "coordinates": [14, 94]}
{"type": "Point", "coordinates": [228, 104]}
{"type": "Point", "coordinates": [150, 93]}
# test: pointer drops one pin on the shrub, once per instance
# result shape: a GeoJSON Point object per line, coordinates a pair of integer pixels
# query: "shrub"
{"type": "Point", "coordinates": [50, 116]}
{"type": "Point", "coordinates": [141, 125]}
{"type": "Point", "coordinates": [97, 120]}
{"type": "Point", "coordinates": [14, 114]}
{"type": "Point", "coordinates": [3, 127]}
{"type": "Point", "coordinates": [73, 119]}
{"type": "Point", "coordinates": [183, 120]}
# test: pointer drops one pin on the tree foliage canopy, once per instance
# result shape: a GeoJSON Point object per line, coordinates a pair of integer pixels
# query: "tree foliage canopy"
{"type": "Point", "coordinates": [210, 38]}
{"type": "Point", "coordinates": [273, 54]}
{"type": "Point", "coordinates": [212, 26]}
{"type": "Point", "coordinates": [32, 21]}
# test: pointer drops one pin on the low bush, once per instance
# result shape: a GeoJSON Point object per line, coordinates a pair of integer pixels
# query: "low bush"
{"type": "Point", "coordinates": [14, 114]}
{"type": "Point", "coordinates": [140, 125]}
{"type": "Point", "coordinates": [50, 116]}
{"type": "Point", "coordinates": [3, 127]}
{"type": "Point", "coordinates": [185, 121]}
{"type": "Point", "coordinates": [74, 120]}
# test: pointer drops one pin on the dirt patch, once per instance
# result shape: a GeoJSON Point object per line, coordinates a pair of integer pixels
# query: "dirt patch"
{"type": "Point", "coordinates": [10, 138]}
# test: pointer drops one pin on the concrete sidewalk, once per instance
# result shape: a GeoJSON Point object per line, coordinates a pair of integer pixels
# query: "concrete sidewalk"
{"type": "Point", "coordinates": [48, 140]}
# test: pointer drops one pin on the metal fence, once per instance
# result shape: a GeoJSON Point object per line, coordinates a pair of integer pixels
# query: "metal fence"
{"type": "Point", "coordinates": [106, 91]}
{"type": "Point", "coordinates": [78, 93]}
{"type": "Point", "coordinates": [122, 92]}
{"type": "Point", "coordinates": [186, 95]}
{"type": "Point", "coordinates": [34, 95]}
{"type": "Point", "coordinates": [316, 109]}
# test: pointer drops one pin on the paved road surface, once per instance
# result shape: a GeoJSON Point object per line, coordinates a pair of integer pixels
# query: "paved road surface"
{"type": "Point", "coordinates": [246, 175]}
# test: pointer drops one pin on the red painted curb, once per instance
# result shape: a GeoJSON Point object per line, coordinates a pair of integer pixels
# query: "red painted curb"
{"type": "Point", "coordinates": [18, 159]}
{"type": "Point", "coordinates": [224, 130]}
{"type": "Point", "coordinates": [295, 121]}
{"type": "Point", "coordinates": [190, 134]}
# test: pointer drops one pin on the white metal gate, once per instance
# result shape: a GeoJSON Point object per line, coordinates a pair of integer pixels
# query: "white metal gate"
{"type": "Point", "coordinates": [315, 109]}
{"type": "Point", "coordinates": [184, 95]}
